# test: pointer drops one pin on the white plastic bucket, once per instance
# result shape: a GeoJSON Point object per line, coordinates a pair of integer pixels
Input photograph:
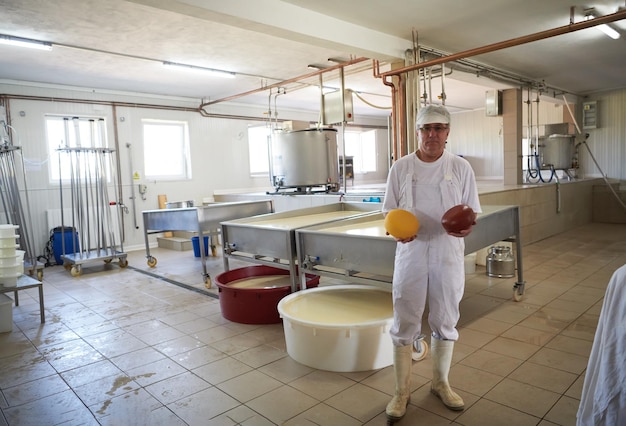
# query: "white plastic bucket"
{"type": "Point", "coordinates": [8, 242]}
{"type": "Point", "coordinates": [7, 231]}
{"type": "Point", "coordinates": [11, 271]}
{"type": "Point", "coordinates": [342, 328]}
{"type": "Point", "coordinates": [8, 251]}
{"type": "Point", "coordinates": [16, 259]}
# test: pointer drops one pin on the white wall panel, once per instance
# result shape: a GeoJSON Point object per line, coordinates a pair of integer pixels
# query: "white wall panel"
{"type": "Point", "coordinates": [607, 143]}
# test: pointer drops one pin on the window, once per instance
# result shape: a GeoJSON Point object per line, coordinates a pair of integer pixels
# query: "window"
{"type": "Point", "coordinates": [258, 149]}
{"type": "Point", "coordinates": [362, 147]}
{"type": "Point", "coordinates": [74, 132]}
{"type": "Point", "coordinates": [166, 150]}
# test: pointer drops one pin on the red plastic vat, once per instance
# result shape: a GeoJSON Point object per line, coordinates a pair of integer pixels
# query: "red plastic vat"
{"type": "Point", "coordinates": [254, 305]}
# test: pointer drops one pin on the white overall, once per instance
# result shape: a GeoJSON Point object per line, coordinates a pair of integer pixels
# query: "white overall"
{"type": "Point", "coordinates": [432, 265]}
{"type": "Point", "coordinates": [603, 398]}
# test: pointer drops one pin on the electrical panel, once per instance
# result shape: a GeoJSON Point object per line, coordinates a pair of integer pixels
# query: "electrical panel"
{"type": "Point", "coordinates": [334, 112]}
{"type": "Point", "coordinates": [493, 103]}
{"type": "Point", "coordinates": [590, 115]}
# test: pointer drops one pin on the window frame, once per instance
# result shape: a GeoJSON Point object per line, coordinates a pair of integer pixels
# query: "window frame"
{"type": "Point", "coordinates": [182, 147]}
{"type": "Point", "coordinates": [59, 167]}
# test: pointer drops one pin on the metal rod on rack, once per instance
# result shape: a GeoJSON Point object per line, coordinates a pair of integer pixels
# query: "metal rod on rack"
{"type": "Point", "coordinates": [77, 185]}
{"type": "Point", "coordinates": [93, 168]}
{"type": "Point", "coordinates": [132, 185]}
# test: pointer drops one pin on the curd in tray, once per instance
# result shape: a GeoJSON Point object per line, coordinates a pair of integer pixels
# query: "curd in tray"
{"type": "Point", "coordinates": [264, 281]}
{"type": "Point", "coordinates": [375, 228]}
{"type": "Point", "coordinates": [300, 221]}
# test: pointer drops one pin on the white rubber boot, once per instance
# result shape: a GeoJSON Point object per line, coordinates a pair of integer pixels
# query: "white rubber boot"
{"type": "Point", "coordinates": [402, 362]}
{"type": "Point", "coordinates": [441, 353]}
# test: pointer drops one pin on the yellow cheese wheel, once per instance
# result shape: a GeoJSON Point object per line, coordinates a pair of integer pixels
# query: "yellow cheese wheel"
{"type": "Point", "coordinates": [401, 224]}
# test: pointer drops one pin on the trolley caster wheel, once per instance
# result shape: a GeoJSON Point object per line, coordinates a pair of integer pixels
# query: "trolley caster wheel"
{"type": "Point", "coordinates": [123, 263]}
{"type": "Point", "coordinates": [213, 251]}
{"type": "Point", "coordinates": [518, 291]}
{"type": "Point", "coordinates": [207, 281]}
{"type": "Point", "coordinates": [40, 275]}
{"type": "Point", "coordinates": [75, 271]}
{"type": "Point", "coordinates": [67, 266]}
{"type": "Point", "coordinates": [107, 260]}
{"type": "Point", "coordinates": [152, 262]}
{"type": "Point", "coordinates": [420, 349]}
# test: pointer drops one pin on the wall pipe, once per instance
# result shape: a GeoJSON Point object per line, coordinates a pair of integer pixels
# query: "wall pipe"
{"type": "Point", "coordinates": [283, 83]}
{"type": "Point", "coordinates": [619, 15]}
{"type": "Point", "coordinates": [394, 111]}
{"type": "Point", "coordinates": [402, 113]}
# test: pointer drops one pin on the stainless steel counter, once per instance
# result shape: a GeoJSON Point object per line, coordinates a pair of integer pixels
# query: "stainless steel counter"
{"type": "Point", "coordinates": [270, 239]}
{"type": "Point", "coordinates": [357, 249]}
{"type": "Point", "coordinates": [204, 220]}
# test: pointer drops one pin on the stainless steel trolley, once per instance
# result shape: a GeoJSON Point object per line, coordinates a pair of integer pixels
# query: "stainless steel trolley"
{"type": "Point", "coordinates": [358, 250]}
{"type": "Point", "coordinates": [204, 220]}
{"type": "Point", "coordinates": [270, 239]}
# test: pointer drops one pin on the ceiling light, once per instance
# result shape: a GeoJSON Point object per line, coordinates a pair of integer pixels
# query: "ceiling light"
{"type": "Point", "coordinates": [590, 14]}
{"type": "Point", "coordinates": [211, 71]}
{"type": "Point", "coordinates": [25, 42]}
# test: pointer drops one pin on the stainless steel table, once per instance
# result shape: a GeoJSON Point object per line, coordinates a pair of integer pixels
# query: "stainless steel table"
{"type": "Point", "coordinates": [270, 239]}
{"type": "Point", "coordinates": [204, 220]}
{"type": "Point", "coordinates": [25, 282]}
{"type": "Point", "coordinates": [358, 250]}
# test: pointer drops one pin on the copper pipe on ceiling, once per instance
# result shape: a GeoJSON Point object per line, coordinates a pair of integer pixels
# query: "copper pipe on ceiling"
{"type": "Point", "coordinates": [401, 118]}
{"type": "Point", "coordinates": [617, 16]}
{"type": "Point", "coordinates": [285, 82]}
{"type": "Point", "coordinates": [402, 113]}
{"type": "Point", "coordinates": [394, 130]}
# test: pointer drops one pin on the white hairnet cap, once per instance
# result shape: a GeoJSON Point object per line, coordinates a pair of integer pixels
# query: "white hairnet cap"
{"type": "Point", "coordinates": [432, 114]}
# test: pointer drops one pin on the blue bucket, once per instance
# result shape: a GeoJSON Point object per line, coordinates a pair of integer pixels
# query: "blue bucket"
{"type": "Point", "coordinates": [195, 241]}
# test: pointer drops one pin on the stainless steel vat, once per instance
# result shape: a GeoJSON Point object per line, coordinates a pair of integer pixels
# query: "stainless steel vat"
{"type": "Point", "coordinates": [556, 151]}
{"type": "Point", "coordinates": [305, 158]}
{"type": "Point", "coordinates": [179, 204]}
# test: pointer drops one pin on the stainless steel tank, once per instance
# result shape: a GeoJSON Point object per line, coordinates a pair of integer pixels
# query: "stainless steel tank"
{"type": "Point", "coordinates": [556, 151]}
{"type": "Point", "coordinates": [305, 158]}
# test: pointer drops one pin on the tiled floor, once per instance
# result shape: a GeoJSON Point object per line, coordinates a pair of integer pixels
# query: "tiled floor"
{"type": "Point", "coordinates": [123, 347]}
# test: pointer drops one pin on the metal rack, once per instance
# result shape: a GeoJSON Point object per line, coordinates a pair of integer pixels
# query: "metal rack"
{"type": "Point", "coordinates": [14, 211]}
{"type": "Point", "coordinates": [98, 228]}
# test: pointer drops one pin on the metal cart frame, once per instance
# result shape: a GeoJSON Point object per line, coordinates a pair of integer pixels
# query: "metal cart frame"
{"type": "Point", "coordinates": [204, 220]}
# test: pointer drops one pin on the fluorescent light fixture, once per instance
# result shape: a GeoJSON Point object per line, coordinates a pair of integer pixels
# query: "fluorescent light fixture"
{"type": "Point", "coordinates": [211, 71]}
{"type": "Point", "coordinates": [609, 31]}
{"type": "Point", "coordinates": [590, 14]}
{"type": "Point", "coordinates": [25, 42]}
